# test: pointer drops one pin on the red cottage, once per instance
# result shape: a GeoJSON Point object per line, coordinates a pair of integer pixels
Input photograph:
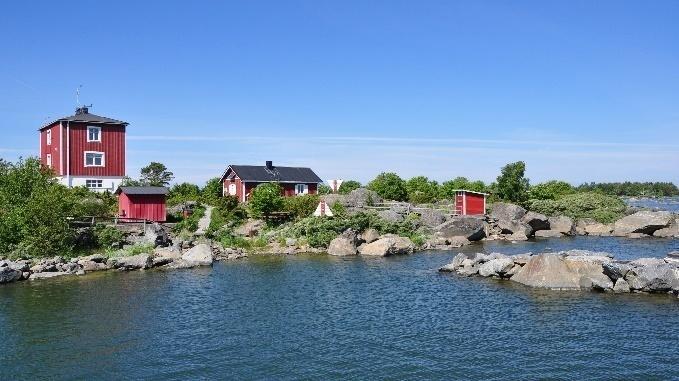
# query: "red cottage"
{"type": "Point", "coordinates": [470, 203]}
{"type": "Point", "coordinates": [240, 180]}
{"type": "Point", "coordinates": [85, 150]}
{"type": "Point", "coordinates": [147, 203]}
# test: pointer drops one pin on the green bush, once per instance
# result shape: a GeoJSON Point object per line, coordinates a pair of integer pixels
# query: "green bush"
{"type": "Point", "coordinates": [448, 188]}
{"type": "Point", "coordinates": [227, 211]}
{"type": "Point", "coordinates": [324, 189]}
{"type": "Point", "coordinates": [266, 199]}
{"type": "Point", "coordinates": [600, 207]}
{"type": "Point", "coordinates": [389, 186]}
{"type": "Point", "coordinates": [550, 190]}
{"type": "Point", "coordinates": [191, 223]}
{"type": "Point", "coordinates": [183, 192]}
{"type": "Point", "coordinates": [301, 206]}
{"type": "Point", "coordinates": [421, 190]}
{"type": "Point", "coordinates": [348, 186]}
{"type": "Point", "coordinates": [212, 191]}
{"type": "Point", "coordinates": [107, 236]}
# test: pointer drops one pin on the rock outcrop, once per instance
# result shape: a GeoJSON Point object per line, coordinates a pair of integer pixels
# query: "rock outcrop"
{"type": "Point", "coordinates": [132, 262]}
{"type": "Point", "coordinates": [344, 245]}
{"type": "Point", "coordinates": [200, 255]}
{"type": "Point", "coordinates": [536, 221]}
{"type": "Point", "coordinates": [388, 245]}
{"type": "Point", "coordinates": [250, 228]}
{"type": "Point", "coordinates": [644, 222]}
{"type": "Point", "coordinates": [507, 212]}
{"type": "Point", "coordinates": [471, 228]}
{"type": "Point", "coordinates": [562, 224]}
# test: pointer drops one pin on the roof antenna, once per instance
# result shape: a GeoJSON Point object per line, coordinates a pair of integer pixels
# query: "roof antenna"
{"type": "Point", "coordinates": [77, 95]}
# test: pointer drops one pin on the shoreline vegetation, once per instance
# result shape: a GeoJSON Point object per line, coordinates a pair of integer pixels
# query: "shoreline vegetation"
{"type": "Point", "coordinates": [387, 216]}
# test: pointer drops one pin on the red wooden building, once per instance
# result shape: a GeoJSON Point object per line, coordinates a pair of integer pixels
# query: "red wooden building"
{"type": "Point", "coordinates": [240, 180]}
{"type": "Point", "coordinates": [85, 150]}
{"type": "Point", "coordinates": [146, 203]}
{"type": "Point", "coordinates": [470, 203]}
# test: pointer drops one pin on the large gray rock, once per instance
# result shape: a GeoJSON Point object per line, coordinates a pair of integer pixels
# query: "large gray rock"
{"type": "Point", "coordinates": [8, 274]}
{"type": "Point", "coordinates": [668, 232]}
{"type": "Point", "coordinates": [390, 215]}
{"type": "Point", "coordinates": [250, 228]}
{"type": "Point", "coordinates": [507, 211]}
{"type": "Point", "coordinates": [562, 224]}
{"type": "Point", "coordinates": [512, 227]}
{"type": "Point", "coordinates": [653, 278]}
{"type": "Point", "coordinates": [621, 286]}
{"type": "Point", "coordinates": [200, 254]}
{"type": "Point", "coordinates": [361, 197]}
{"type": "Point", "coordinates": [345, 244]}
{"type": "Point", "coordinates": [157, 235]}
{"type": "Point", "coordinates": [388, 245]}
{"type": "Point", "coordinates": [471, 228]}
{"type": "Point", "coordinates": [370, 235]}
{"type": "Point", "coordinates": [431, 218]}
{"type": "Point", "coordinates": [555, 272]}
{"type": "Point", "coordinates": [646, 222]}
{"type": "Point", "coordinates": [588, 226]}
{"type": "Point", "coordinates": [536, 221]}
{"type": "Point", "coordinates": [496, 267]}
{"type": "Point", "coordinates": [616, 270]}
{"type": "Point", "coordinates": [132, 262]}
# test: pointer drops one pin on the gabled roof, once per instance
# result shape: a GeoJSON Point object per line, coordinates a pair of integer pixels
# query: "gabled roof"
{"type": "Point", "coordinates": [260, 173]}
{"type": "Point", "coordinates": [86, 117]}
{"type": "Point", "coordinates": [142, 190]}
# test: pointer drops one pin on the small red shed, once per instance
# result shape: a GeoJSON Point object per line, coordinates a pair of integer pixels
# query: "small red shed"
{"type": "Point", "coordinates": [470, 203]}
{"type": "Point", "coordinates": [147, 203]}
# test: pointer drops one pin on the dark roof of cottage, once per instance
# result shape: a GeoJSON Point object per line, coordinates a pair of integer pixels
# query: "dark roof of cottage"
{"type": "Point", "coordinates": [143, 190]}
{"type": "Point", "coordinates": [260, 173]}
{"type": "Point", "coordinates": [83, 116]}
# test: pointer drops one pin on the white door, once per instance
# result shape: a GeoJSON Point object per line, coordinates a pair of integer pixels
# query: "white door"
{"type": "Point", "coordinates": [232, 189]}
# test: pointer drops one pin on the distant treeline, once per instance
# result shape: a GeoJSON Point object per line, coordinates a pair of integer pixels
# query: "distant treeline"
{"type": "Point", "coordinates": [633, 189]}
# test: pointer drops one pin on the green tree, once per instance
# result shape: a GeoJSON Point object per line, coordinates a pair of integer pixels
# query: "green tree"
{"type": "Point", "coordinates": [33, 211]}
{"type": "Point", "coordinates": [551, 190]}
{"type": "Point", "coordinates": [421, 190]}
{"type": "Point", "coordinates": [512, 185]}
{"type": "Point", "coordinates": [324, 189]}
{"type": "Point", "coordinates": [348, 186]}
{"type": "Point", "coordinates": [266, 198]}
{"type": "Point", "coordinates": [212, 191]}
{"type": "Point", "coordinates": [389, 186]}
{"type": "Point", "coordinates": [183, 192]}
{"type": "Point", "coordinates": [156, 175]}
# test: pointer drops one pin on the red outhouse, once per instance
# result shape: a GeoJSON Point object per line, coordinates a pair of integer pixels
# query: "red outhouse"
{"type": "Point", "coordinates": [470, 203]}
{"type": "Point", "coordinates": [144, 203]}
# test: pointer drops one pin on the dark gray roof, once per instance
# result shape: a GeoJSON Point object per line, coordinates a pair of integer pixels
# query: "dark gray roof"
{"type": "Point", "coordinates": [86, 118]}
{"type": "Point", "coordinates": [143, 190]}
{"type": "Point", "coordinates": [260, 173]}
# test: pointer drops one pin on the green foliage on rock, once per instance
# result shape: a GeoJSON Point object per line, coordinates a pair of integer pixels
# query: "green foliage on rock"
{"type": "Point", "coordinates": [301, 206]}
{"type": "Point", "coordinates": [550, 190]}
{"type": "Point", "coordinates": [512, 185]}
{"type": "Point", "coordinates": [348, 186]}
{"type": "Point", "coordinates": [421, 190]}
{"type": "Point", "coordinates": [266, 199]}
{"type": "Point", "coordinates": [389, 186]}
{"type": "Point", "coordinates": [603, 208]}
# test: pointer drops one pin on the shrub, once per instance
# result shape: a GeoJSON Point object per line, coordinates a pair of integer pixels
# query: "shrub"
{"type": "Point", "coordinates": [266, 199]}
{"type": "Point", "coordinates": [107, 236]}
{"type": "Point", "coordinates": [301, 206]}
{"type": "Point", "coordinates": [183, 192]}
{"type": "Point", "coordinates": [448, 188]}
{"type": "Point", "coordinates": [212, 191]}
{"type": "Point", "coordinates": [324, 189]}
{"type": "Point", "coordinates": [550, 190]}
{"type": "Point", "coordinates": [389, 186]}
{"type": "Point", "coordinates": [600, 207]}
{"type": "Point", "coordinates": [348, 186]}
{"type": "Point", "coordinates": [227, 211]}
{"type": "Point", "coordinates": [421, 190]}
{"type": "Point", "coordinates": [191, 223]}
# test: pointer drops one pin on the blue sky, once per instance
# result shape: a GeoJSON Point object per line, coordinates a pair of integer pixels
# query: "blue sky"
{"type": "Point", "coordinates": [580, 90]}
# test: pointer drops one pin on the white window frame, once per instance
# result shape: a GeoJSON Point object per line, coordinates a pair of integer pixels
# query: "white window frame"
{"type": "Point", "coordinates": [48, 160]}
{"type": "Point", "coordinates": [49, 137]}
{"type": "Point", "coordinates": [303, 187]}
{"type": "Point", "coordinates": [99, 183]}
{"type": "Point", "coordinates": [98, 134]}
{"type": "Point", "coordinates": [103, 158]}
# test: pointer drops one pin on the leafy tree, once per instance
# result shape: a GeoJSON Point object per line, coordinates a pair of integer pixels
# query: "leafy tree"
{"type": "Point", "coordinates": [301, 206]}
{"type": "Point", "coordinates": [448, 188]}
{"type": "Point", "coordinates": [389, 186]}
{"type": "Point", "coordinates": [551, 190]}
{"type": "Point", "coordinates": [324, 189]}
{"type": "Point", "coordinates": [512, 185]}
{"type": "Point", "coordinates": [266, 199]}
{"type": "Point", "coordinates": [212, 190]}
{"type": "Point", "coordinates": [421, 190]}
{"type": "Point", "coordinates": [183, 192]}
{"type": "Point", "coordinates": [156, 175]}
{"type": "Point", "coordinates": [348, 186]}
{"type": "Point", "coordinates": [130, 182]}
{"type": "Point", "coordinates": [627, 188]}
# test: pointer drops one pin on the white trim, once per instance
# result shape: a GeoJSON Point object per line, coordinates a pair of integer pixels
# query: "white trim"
{"type": "Point", "coordinates": [464, 204]}
{"type": "Point", "coordinates": [103, 159]}
{"type": "Point", "coordinates": [304, 191]}
{"type": "Point", "coordinates": [48, 160]}
{"type": "Point", "coordinates": [243, 194]}
{"type": "Point", "coordinates": [48, 137]}
{"type": "Point", "coordinates": [68, 151]}
{"type": "Point", "coordinates": [468, 191]}
{"type": "Point", "coordinates": [98, 134]}
{"type": "Point", "coordinates": [61, 148]}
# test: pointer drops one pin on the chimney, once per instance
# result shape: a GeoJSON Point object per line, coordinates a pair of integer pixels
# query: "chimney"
{"type": "Point", "coordinates": [269, 164]}
{"type": "Point", "coordinates": [81, 110]}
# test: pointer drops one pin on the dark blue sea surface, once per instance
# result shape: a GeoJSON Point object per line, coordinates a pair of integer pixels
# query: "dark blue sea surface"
{"type": "Point", "coordinates": [662, 203]}
{"type": "Point", "coordinates": [320, 317]}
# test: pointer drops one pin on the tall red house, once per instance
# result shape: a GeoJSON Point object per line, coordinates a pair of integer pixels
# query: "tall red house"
{"type": "Point", "coordinates": [240, 180]}
{"type": "Point", "coordinates": [85, 150]}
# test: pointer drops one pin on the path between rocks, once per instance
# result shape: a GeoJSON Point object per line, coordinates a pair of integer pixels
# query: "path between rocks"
{"type": "Point", "coordinates": [204, 222]}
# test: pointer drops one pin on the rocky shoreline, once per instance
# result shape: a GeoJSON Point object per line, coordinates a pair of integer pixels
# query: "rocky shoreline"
{"type": "Point", "coordinates": [574, 270]}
